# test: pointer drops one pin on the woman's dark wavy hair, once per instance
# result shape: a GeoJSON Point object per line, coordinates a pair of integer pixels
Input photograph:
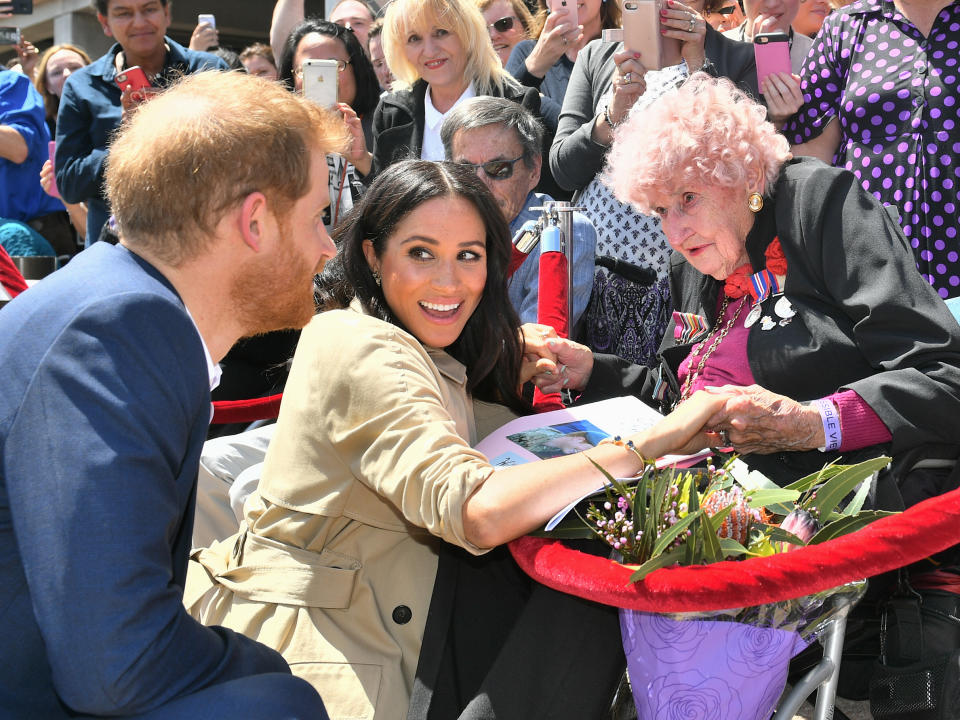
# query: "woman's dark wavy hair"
{"type": "Point", "coordinates": [368, 88]}
{"type": "Point", "coordinates": [490, 345]}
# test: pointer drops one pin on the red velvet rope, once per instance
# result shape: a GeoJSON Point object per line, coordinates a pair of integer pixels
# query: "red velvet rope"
{"type": "Point", "coordinates": [886, 544]}
{"type": "Point", "coordinates": [10, 276]}
{"type": "Point", "coordinates": [552, 310]}
{"type": "Point", "coordinates": [245, 411]}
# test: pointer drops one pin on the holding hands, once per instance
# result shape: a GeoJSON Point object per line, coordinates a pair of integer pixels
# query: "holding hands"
{"type": "Point", "coordinates": [553, 363]}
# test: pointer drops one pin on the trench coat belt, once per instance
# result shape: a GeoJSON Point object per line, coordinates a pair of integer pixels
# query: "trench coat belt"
{"type": "Point", "coordinates": [265, 570]}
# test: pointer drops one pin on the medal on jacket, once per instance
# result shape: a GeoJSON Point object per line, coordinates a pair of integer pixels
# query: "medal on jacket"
{"type": "Point", "coordinates": [763, 284]}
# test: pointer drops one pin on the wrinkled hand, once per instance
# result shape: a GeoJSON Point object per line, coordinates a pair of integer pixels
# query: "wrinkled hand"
{"type": "Point", "coordinates": [204, 37]}
{"type": "Point", "coordinates": [757, 420]}
{"type": "Point", "coordinates": [629, 83]}
{"type": "Point", "coordinates": [781, 92]}
{"type": "Point", "coordinates": [681, 22]}
{"type": "Point", "coordinates": [684, 431]}
{"type": "Point", "coordinates": [558, 37]}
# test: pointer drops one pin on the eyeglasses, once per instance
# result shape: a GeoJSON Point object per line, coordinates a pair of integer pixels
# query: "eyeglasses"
{"type": "Point", "coordinates": [728, 10]}
{"type": "Point", "coordinates": [341, 66]}
{"type": "Point", "coordinates": [496, 169]}
{"type": "Point", "coordinates": [504, 24]}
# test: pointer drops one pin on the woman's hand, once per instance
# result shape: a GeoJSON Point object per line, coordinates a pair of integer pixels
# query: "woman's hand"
{"type": "Point", "coordinates": [555, 363]}
{"type": "Point", "coordinates": [681, 22]}
{"type": "Point", "coordinates": [629, 83]}
{"type": "Point", "coordinates": [29, 56]}
{"type": "Point", "coordinates": [46, 178]}
{"type": "Point", "coordinates": [204, 37]}
{"type": "Point", "coordinates": [781, 91]}
{"type": "Point", "coordinates": [684, 431]}
{"type": "Point", "coordinates": [557, 38]}
{"type": "Point", "coordinates": [757, 420]}
{"type": "Point", "coordinates": [130, 100]}
{"type": "Point", "coordinates": [357, 155]}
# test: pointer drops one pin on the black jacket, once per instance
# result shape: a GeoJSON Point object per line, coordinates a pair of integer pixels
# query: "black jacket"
{"type": "Point", "coordinates": [398, 121]}
{"type": "Point", "coordinates": [866, 320]}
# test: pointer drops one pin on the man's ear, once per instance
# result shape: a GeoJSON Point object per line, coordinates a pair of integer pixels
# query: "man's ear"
{"type": "Point", "coordinates": [535, 170]}
{"type": "Point", "coordinates": [104, 25]}
{"type": "Point", "coordinates": [253, 218]}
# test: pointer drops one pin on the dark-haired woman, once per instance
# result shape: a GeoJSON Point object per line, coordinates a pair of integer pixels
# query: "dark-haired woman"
{"type": "Point", "coordinates": [358, 92]}
{"type": "Point", "coordinates": [370, 481]}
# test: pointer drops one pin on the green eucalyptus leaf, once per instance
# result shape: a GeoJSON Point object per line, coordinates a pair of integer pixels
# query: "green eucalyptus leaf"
{"type": "Point", "coordinates": [670, 535]}
{"type": "Point", "coordinates": [778, 534]}
{"type": "Point", "coordinates": [829, 495]}
{"type": "Point", "coordinates": [661, 561]}
{"type": "Point", "coordinates": [776, 497]}
{"type": "Point", "coordinates": [730, 547]}
{"type": "Point", "coordinates": [815, 478]}
{"type": "Point", "coordinates": [711, 543]}
{"type": "Point", "coordinates": [848, 524]}
{"type": "Point", "coordinates": [856, 504]}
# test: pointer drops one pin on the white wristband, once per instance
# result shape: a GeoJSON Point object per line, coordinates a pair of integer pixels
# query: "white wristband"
{"type": "Point", "coordinates": [831, 424]}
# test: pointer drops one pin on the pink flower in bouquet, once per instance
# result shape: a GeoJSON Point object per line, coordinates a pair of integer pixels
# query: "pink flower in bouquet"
{"type": "Point", "coordinates": [800, 523]}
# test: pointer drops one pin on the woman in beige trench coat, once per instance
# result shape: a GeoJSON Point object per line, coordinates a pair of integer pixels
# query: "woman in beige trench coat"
{"type": "Point", "coordinates": [371, 469]}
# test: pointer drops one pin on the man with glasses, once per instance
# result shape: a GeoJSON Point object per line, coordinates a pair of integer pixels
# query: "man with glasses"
{"type": "Point", "coordinates": [502, 141]}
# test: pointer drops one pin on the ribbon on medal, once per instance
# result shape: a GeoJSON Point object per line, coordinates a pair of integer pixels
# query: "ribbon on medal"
{"type": "Point", "coordinates": [687, 326]}
{"type": "Point", "coordinates": [763, 284]}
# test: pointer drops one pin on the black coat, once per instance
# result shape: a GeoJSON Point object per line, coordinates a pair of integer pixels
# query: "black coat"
{"type": "Point", "coordinates": [866, 320]}
{"type": "Point", "coordinates": [398, 121]}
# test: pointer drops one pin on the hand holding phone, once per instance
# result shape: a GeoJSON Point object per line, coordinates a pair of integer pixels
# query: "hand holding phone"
{"type": "Point", "coordinates": [209, 19]}
{"type": "Point", "coordinates": [51, 188]}
{"type": "Point", "coordinates": [772, 52]}
{"type": "Point", "coordinates": [133, 78]}
{"type": "Point", "coordinates": [567, 7]}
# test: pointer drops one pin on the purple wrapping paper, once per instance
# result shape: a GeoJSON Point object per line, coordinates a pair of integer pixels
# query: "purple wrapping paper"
{"type": "Point", "coordinates": [705, 669]}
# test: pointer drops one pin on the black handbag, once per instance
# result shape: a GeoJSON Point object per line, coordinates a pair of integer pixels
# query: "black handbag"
{"type": "Point", "coordinates": [917, 676]}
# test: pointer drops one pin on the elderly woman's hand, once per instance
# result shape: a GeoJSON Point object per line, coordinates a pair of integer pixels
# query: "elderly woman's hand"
{"type": "Point", "coordinates": [558, 37]}
{"type": "Point", "coordinates": [685, 24]}
{"type": "Point", "coordinates": [755, 420]}
{"type": "Point", "coordinates": [781, 91]}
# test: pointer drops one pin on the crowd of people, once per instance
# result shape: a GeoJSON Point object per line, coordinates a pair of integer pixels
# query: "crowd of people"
{"type": "Point", "coordinates": [764, 262]}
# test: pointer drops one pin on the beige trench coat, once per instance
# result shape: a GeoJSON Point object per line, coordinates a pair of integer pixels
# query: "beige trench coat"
{"type": "Point", "coordinates": [369, 468]}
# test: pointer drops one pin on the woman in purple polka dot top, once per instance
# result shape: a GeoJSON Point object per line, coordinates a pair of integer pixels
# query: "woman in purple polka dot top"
{"type": "Point", "coordinates": [881, 98]}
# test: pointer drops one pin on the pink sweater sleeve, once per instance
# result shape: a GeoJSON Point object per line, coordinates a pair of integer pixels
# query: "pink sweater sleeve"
{"type": "Point", "coordinates": [860, 425]}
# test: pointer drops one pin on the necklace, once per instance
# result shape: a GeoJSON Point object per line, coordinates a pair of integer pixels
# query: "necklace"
{"type": "Point", "coordinates": [719, 334]}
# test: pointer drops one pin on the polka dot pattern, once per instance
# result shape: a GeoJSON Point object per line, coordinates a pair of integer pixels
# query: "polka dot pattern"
{"type": "Point", "coordinates": [896, 95]}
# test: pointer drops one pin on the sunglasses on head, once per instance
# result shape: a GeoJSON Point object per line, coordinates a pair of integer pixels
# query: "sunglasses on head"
{"type": "Point", "coordinates": [504, 24]}
{"type": "Point", "coordinates": [728, 10]}
{"type": "Point", "coordinates": [496, 169]}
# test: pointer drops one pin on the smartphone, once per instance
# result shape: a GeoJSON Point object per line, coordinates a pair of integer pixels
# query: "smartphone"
{"type": "Point", "coordinates": [641, 31]}
{"type": "Point", "coordinates": [207, 19]}
{"type": "Point", "coordinates": [9, 36]}
{"type": "Point", "coordinates": [133, 78]}
{"type": "Point", "coordinates": [320, 80]}
{"type": "Point", "coordinates": [566, 6]}
{"type": "Point", "coordinates": [772, 51]}
{"type": "Point", "coordinates": [51, 151]}
{"type": "Point", "coordinates": [22, 7]}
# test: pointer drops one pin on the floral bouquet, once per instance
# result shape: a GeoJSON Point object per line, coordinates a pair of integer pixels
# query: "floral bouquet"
{"type": "Point", "coordinates": [728, 664]}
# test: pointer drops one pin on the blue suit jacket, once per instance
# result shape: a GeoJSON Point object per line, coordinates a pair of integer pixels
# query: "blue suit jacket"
{"type": "Point", "coordinates": [103, 412]}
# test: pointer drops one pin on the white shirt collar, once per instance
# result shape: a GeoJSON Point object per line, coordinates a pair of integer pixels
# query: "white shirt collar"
{"type": "Point", "coordinates": [432, 148]}
{"type": "Point", "coordinates": [213, 369]}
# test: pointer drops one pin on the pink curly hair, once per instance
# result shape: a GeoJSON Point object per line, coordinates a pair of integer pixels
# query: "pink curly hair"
{"type": "Point", "coordinates": [705, 132]}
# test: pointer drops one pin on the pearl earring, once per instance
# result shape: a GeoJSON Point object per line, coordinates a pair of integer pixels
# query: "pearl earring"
{"type": "Point", "coordinates": [755, 202]}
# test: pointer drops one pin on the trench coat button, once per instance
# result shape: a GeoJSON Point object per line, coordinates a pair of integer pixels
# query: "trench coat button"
{"type": "Point", "coordinates": [402, 614]}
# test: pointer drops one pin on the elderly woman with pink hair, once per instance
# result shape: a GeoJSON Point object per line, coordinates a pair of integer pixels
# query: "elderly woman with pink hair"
{"type": "Point", "coordinates": [792, 289]}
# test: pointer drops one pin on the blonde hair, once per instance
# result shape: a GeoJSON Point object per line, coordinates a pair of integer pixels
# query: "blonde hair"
{"type": "Point", "coordinates": [463, 19]}
{"type": "Point", "coordinates": [198, 149]}
{"type": "Point", "coordinates": [705, 132]}
{"type": "Point", "coordinates": [51, 102]}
